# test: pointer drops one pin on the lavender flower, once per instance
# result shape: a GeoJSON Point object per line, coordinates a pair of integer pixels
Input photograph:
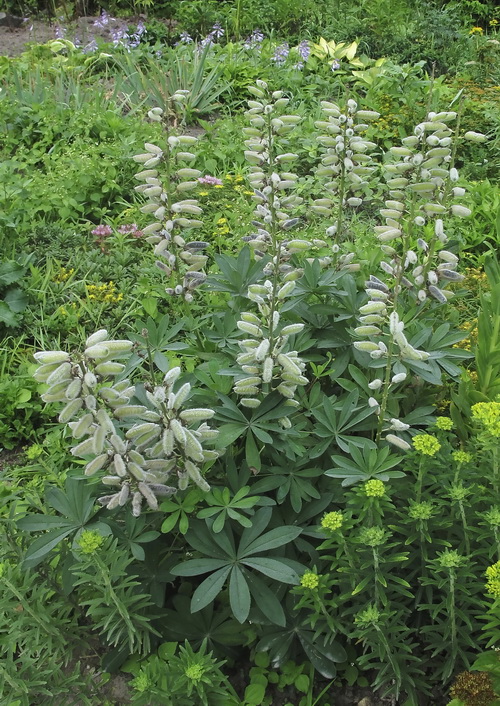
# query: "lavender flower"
{"type": "Point", "coordinates": [280, 54]}
{"type": "Point", "coordinates": [91, 47]}
{"type": "Point", "coordinates": [102, 21]}
{"type": "Point", "coordinates": [118, 34]}
{"type": "Point", "coordinates": [60, 32]}
{"type": "Point", "coordinates": [217, 31]}
{"type": "Point", "coordinates": [211, 180]}
{"type": "Point", "coordinates": [304, 50]}
{"type": "Point", "coordinates": [335, 65]}
{"type": "Point", "coordinates": [254, 40]}
{"type": "Point", "coordinates": [102, 231]}
{"type": "Point", "coordinates": [185, 38]}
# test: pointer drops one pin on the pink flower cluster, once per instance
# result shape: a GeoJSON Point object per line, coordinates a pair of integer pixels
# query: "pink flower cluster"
{"type": "Point", "coordinates": [211, 180]}
{"type": "Point", "coordinates": [131, 229]}
{"type": "Point", "coordinates": [102, 231]}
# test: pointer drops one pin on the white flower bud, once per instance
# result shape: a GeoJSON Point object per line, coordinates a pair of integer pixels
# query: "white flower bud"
{"type": "Point", "coordinates": [396, 441]}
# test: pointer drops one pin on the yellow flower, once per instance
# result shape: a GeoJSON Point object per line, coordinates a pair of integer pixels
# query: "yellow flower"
{"type": "Point", "coordinates": [249, 193]}
{"type": "Point", "coordinates": [203, 193]}
{"type": "Point", "coordinates": [374, 488]}
{"type": "Point", "coordinates": [444, 423]}
{"type": "Point", "coordinates": [310, 580]}
{"type": "Point", "coordinates": [476, 30]}
{"type": "Point", "coordinates": [426, 444]}
{"type": "Point", "coordinates": [488, 414]}
{"type": "Point", "coordinates": [90, 541]}
{"type": "Point", "coordinates": [222, 220]}
{"type": "Point", "coordinates": [493, 22]}
{"type": "Point", "coordinates": [493, 583]}
{"type": "Point", "coordinates": [218, 186]}
{"type": "Point", "coordinates": [332, 521]}
{"type": "Point", "coordinates": [461, 457]}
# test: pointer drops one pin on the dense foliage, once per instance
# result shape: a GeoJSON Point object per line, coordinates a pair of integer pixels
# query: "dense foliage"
{"type": "Point", "coordinates": [250, 367]}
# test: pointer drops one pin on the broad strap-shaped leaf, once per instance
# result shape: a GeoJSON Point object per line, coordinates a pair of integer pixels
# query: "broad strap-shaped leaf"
{"type": "Point", "coordinates": [41, 547]}
{"type": "Point", "coordinates": [239, 595]}
{"type": "Point", "coordinates": [270, 540]}
{"type": "Point", "coordinates": [265, 599]}
{"type": "Point", "coordinates": [194, 567]}
{"type": "Point", "coordinates": [274, 568]}
{"type": "Point", "coordinates": [209, 589]}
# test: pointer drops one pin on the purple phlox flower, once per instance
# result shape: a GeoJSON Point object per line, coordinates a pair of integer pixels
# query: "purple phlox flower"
{"type": "Point", "coordinates": [102, 231]}
{"type": "Point", "coordinates": [298, 66]}
{"type": "Point", "coordinates": [304, 50]}
{"type": "Point", "coordinates": [335, 65]}
{"type": "Point", "coordinates": [159, 53]}
{"type": "Point", "coordinates": [211, 180]}
{"type": "Point", "coordinates": [280, 54]}
{"type": "Point", "coordinates": [60, 32]}
{"type": "Point", "coordinates": [254, 40]}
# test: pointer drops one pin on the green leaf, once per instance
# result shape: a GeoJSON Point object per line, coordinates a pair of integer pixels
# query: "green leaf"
{"type": "Point", "coordinates": [252, 454]}
{"type": "Point", "coordinates": [271, 540]}
{"type": "Point", "coordinates": [239, 595]}
{"type": "Point", "coordinates": [209, 589]}
{"type": "Point", "coordinates": [41, 547]}
{"type": "Point", "coordinates": [194, 567]}
{"type": "Point", "coordinates": [254, 694]}
{"type": "Point", "coordinates": [16, 299]}
{"type": "Point", "coordinates": [265, 599]}
{"type": "Point", "coordinates": [273, 568]}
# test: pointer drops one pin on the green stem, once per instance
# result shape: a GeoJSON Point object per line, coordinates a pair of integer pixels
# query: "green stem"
{"type": "Point", "coordinates": [420, 479]}
{"type": "Point", "coordinates": [452, 616]}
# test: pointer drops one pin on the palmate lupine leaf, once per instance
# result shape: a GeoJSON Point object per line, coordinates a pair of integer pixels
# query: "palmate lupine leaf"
{"type": "Point", "coordinates": [227, 560]}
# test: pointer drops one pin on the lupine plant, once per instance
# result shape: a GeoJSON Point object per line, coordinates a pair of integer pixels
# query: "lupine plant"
{"type": "Point", "coordinates": [325, 463]}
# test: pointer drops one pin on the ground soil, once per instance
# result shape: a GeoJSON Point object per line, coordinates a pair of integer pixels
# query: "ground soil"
{"type": "Point", "coordinates": [14, 40]}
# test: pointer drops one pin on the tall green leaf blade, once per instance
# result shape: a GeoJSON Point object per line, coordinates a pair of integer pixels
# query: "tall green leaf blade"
{"type": "Point", "coordinates": [239, 595]}
{"type": "Point", "coordinates": [209, 589]}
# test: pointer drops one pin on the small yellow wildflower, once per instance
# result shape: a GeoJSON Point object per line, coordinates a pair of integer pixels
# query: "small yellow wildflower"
{"type": "Point", "coordinates": [374, 488]}
{"type": "Point", "coordinates": [218, 186]}
{"type": "Point", "coordinates": [221, 220]}
{"type": "Point", "coordinates": [488, 414]}
{"type": "Point", "coordinates": [90, 541]}
{"type": "Point", "coordinates": [238, 179]}
{"type": "Point", "coordinates": [444, 423]}
{"type": "Point", "coordinates": [427, 444]}
{"type": "Point", "coordinates": [493, 22]}
{"type": "Point", "coordinates": [203, 193]}
{"type": "Point", "coordinates": [194, 672]}
{"type": "Point", "coordinates": [493, 583]}
{"type": "Point", "coordinates": [249, 193]}
{"type": "Point", "coordinates": [476, 30]}
{"type": "Point", "coordinates": [332, 521]}
{"type": "Point", "coordinates": [461, 457]}
{"type": "Point", "coordinates": [310, 580]}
